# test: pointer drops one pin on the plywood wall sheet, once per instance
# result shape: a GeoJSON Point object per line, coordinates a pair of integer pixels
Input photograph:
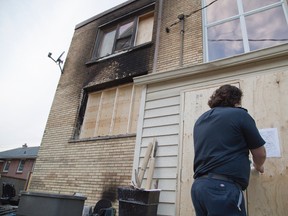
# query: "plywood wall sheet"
{"type": "Point", "coordinates": [121, 115]}
{"type": "Point", "coordinates": [89, 122]}
{"type": "Point", "coordinates": [194, 104]}
{"type": "Point", "coordinates": [136, 98]}
{"type": "Point", "coordinates": [106, 113]}
{"type": "Point", "coordinates": [267, 194]}
{"type": "Point", "coordinates": [267, 101]}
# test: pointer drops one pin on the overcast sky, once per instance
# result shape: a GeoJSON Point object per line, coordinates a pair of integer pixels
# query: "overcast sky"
{"type": "Point", "coordinates": [29, 30]}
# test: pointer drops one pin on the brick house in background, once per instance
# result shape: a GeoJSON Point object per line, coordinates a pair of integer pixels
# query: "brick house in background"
{"type": "Point", "coordinates": [16, 167]}
{"type": "Point", "coordinates": [146, 69]}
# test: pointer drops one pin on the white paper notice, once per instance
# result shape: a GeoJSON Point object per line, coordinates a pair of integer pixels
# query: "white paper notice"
{"type": "Point", "coordinates": [270, 135]}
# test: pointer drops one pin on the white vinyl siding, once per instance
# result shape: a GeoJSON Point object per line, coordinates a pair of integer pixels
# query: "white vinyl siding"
{"type": "Point", "coordinates": [162, 121]}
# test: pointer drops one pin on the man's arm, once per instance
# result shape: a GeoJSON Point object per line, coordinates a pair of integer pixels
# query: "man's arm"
{"type": "Point", "coordinates": [259, 157]}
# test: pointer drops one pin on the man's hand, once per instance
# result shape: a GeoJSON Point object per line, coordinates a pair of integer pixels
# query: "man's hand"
{"type": "Point", "coordinates": [259, 169]}
{"type": "Point", "coordinates": [259, 157]}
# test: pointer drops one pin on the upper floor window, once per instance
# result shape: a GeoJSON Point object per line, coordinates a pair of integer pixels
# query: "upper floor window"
{"type": "Point", "coordinates": [6, 166]}
{"type": "Point", "coordinates": [21, 166]}
{"type": "Point", "coordinates": [238, 26]}
{"type": "Point", "coordinates": [124, 35]}
{"type": "Point", "coordinates": [111, 112]}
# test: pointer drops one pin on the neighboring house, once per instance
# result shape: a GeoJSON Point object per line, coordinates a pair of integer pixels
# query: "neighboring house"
{"type": "Point", "coordinates": [146, 69]}
{"type": "Point", "coordinates": [16, 169]}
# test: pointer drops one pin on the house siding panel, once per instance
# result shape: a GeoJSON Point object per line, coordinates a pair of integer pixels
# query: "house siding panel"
{"type": "Point", "coordinates": [161, 120]}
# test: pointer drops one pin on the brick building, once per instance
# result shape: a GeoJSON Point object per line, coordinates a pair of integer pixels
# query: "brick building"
{"type": "Point", "coordinates": [89, 141]}
{"type": "Point", "coordinates": [144, 70]}
{"type": "Point", "coordinates": [16, 167]}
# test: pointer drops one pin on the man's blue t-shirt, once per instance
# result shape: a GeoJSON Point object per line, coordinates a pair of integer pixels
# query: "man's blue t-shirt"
{"type": "Point", "coordinates": [222, 139]}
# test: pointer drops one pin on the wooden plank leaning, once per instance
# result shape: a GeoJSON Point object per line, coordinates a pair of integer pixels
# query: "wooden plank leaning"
{"type": "Point", "coordinates": [151, 166]}
{"type": "Point", "coordinates": [140, 176]}
{"type": "Point", "coordinates": [143, 167]}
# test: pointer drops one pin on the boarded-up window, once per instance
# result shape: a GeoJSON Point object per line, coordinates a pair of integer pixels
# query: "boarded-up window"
{"type": "Point", "coordinates": [145, 27]}
{"type": "Point", "coordinates": [111, 112]}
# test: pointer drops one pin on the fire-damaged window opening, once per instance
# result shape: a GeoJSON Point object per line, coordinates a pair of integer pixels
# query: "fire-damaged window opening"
{"type": "Point", "coordinates": [110, 112]}
{"type": "Point", "coordinates": [122, 36]}
{"type": "Point", "coordinates": [21, 166]}
{"type": "Point", "coordinates": [6, 167]}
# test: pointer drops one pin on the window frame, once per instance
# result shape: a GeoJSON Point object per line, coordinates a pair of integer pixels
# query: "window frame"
{"type": "Point", "coordinates": [243, 27]}
{"type": "Point", "coordinates": [6, 166]}
{"type": "Point", "coordinates": [21, 165]}
{"type": "Point", "coordinates": [116, 24]}
{"type": "Point", "coordinates": [118, 38]}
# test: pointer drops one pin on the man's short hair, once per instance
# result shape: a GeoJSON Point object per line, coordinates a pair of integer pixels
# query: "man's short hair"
{"type": "Point", "coordinates": [226, 95]}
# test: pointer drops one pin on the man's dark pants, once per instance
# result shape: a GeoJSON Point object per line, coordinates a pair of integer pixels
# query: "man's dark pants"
{"type": "Point", "coordinates": [213, 197]}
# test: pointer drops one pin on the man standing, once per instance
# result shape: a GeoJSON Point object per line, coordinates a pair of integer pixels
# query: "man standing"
{"type": "Point", "coordinates": [223, 137]}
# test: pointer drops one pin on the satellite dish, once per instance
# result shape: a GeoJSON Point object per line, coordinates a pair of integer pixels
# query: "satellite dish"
{"type": "Point", "coordinates": [58, 61]}
{"type": "Point", "coordinates": [59, 58]}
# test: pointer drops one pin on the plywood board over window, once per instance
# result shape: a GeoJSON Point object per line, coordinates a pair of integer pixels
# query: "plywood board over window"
{"type": "Point", "coordinates": [111, 112]}
{"type": "Point", "coordinates": [145, 28]}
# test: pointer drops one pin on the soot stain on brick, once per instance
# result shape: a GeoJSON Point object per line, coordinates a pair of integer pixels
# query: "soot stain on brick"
{"type": "Point", "coordinates": [118, 69]}
{"type": "Point", "coordinates": [112, 182]}
{"type": "Point", "coordinates": [109, 193]}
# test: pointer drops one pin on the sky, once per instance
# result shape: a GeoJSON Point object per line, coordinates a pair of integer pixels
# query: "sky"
{"type": "Point", "coordinates": [29, 30]}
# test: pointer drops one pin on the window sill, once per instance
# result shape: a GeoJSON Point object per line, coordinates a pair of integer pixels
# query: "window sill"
{"type": "Point", "coordinates": [102, 138]}
{"type": "Point", "coordinates": [95, 60]}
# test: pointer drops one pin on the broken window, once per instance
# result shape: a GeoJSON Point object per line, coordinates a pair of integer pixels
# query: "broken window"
{"type": "Point", "coordinates": [111, 112]}
{"type": "Point", "coordinates": [6, 166]}
{"type": "Point", "coordinates": [21, 166]}
{"type": "Point", "coordinates": [124, 35]}
{"type": "Point", "coordinates": [239, 26]}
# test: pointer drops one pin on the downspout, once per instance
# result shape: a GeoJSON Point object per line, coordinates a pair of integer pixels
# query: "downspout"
{"type": "Point", "coordinates": [181, 17]}
{"type": "Point", "coordinates": [159, 21]}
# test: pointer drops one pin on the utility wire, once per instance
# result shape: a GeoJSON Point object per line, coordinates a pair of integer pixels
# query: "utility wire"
{"type": "Point", "coordinates": [200, 9]}
{"type": "Point", "coordinates": [216, 40]}
{"type": "Point", "coordinates": [188, 15]}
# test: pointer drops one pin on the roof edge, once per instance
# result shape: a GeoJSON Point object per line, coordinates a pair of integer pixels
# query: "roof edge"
{"type": "Point", "coordinates": [103, 13]}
